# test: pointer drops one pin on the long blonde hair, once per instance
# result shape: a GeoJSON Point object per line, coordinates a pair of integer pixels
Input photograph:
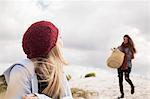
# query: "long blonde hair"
{"type": "Point", "coordinates": [50, 70]}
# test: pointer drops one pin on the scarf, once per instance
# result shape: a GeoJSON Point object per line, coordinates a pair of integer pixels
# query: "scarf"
{"type": "Point", "coordinates": [125, 62]}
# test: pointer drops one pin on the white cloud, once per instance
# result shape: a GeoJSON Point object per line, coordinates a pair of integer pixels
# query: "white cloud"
{"type": "Point", "coordinates": [89, 28]}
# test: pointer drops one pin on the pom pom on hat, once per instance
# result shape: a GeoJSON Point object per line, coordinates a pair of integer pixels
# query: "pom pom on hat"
{"type": "Point", "coordinates": [39, 39]}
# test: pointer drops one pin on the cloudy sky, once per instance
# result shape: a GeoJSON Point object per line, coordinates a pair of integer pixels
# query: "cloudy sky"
{"type": "Point", "coordinates": [89, 28]}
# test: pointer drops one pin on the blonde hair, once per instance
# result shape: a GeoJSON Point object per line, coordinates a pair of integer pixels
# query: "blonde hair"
{"type": "Point", "coordinates": [50, 69]}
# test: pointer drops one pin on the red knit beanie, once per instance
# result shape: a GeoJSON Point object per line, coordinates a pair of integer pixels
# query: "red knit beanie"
{"type": "Point", "coordinates": [39, 39]}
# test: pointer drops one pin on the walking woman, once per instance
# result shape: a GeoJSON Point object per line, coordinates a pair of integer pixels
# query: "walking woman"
{"type": "Point", "coordinates": [127, 47]}
{"type": "Point", "coordinates": [41, 75]}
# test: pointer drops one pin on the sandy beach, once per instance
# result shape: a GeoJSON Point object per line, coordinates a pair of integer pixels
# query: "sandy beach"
{"type": "Point", "coordinates": [105, 85]}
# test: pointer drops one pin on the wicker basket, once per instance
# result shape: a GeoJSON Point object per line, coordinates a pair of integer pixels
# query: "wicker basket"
{"type": "Point", "coordinates": [116, 59]}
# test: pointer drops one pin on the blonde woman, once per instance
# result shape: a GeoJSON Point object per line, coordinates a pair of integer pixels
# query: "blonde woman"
{"type": "Point", "coordinates": [41, 75]}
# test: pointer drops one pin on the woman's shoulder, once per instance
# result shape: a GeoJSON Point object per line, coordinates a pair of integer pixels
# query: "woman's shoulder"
{"type": "Point", "coordinates": [21, 67]}
{"type": "Point", "coordinates": [120, 48]}
{"type": "Point", "coordinates": [27, 64]}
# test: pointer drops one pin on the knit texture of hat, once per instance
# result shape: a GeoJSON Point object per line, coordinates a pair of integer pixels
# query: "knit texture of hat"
{"type": "Point", "coordinates": [39, 39]}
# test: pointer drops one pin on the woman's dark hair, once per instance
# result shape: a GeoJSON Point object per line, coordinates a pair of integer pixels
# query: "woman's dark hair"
{"type": "Point", "coordinates": [131, 43]}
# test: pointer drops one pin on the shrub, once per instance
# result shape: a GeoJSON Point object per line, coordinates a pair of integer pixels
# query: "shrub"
{"type": "Point", "coordinates": [90, 75]}
{"type": "Point", "coordinates": [68, 77]}
{"type": "Point", "coordinates": [85, 94]}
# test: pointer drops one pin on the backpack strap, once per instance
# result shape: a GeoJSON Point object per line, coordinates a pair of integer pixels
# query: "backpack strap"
{"type": "Point", "coordinates": [28, 65]}
{"type": "Point", "coordinates": [7, 72]}
{"type": "Point", "coordinates": [32, 87]}
{"type": "Point", "coordinates": [19, 65]}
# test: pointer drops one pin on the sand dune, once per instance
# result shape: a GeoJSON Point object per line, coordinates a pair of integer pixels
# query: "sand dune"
{"type": "Point", "coordinates": [106, 85]}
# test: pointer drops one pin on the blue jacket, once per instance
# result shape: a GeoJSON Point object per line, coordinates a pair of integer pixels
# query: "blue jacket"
{"type": "Point", "coordinates": [22, 80]}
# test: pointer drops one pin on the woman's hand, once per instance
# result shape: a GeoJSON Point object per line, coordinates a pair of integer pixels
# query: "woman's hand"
{"type": "Point", "coordinates": [30, 96]}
